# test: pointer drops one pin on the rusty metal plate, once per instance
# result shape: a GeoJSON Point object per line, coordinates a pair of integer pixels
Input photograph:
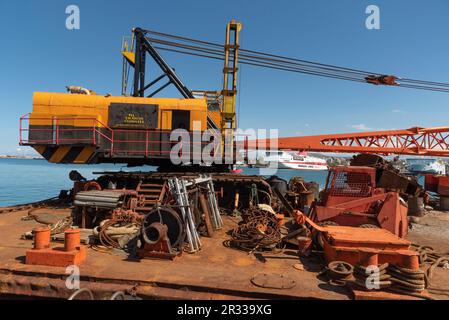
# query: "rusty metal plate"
{"type": "Point", "coordinates": [272, 281]}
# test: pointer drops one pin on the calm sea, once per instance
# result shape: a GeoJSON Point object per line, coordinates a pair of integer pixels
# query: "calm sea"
{"type": "Point", "coordinates": [25, 181]}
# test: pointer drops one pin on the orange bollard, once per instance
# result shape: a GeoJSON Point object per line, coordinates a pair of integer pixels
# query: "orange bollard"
{"type": "Point", "coordinates": [71, 254]}
{"type": "Point", "coordinates": [72, 240]}
{"type": "Point", "coordinates": [368, 258]}
{"type": "Point", "coordinates": [410, 261]}
{"type": "Point", "coordinates": [41, 238]}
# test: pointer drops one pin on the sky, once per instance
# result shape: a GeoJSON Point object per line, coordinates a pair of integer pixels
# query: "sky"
{"type": "Point", "coordinates": [40, 54]}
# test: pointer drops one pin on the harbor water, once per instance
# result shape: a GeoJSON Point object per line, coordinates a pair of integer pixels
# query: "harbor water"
{"type": "Point", "coordinates": [28, 180]}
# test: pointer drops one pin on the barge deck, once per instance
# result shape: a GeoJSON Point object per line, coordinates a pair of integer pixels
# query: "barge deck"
{"type": "Point", "coordinates": [216, 272]}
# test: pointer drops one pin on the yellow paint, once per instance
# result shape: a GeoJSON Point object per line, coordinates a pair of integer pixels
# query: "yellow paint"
{"type": "Point", "coordinates": [59, 154]}
{"type": "Point", "coordinates": [215, 116]}
{"type": "Point", "coordinates": [40, 149]}
{"type": "Point", "coordinates": [84, 108]}
{"type": "Point", "coordinates": [84, 155]}
{"type": "Point", "coordinates": [166, 120]}
{"type": "Point", "coordinates": [129, 56]}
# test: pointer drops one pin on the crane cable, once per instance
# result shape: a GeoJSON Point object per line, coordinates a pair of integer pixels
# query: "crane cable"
{"type": "Point", "coordinates": [210, 50]}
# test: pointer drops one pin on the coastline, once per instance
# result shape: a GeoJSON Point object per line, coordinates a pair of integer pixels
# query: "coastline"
{"type": "Point", "coordinates": [21, 157]}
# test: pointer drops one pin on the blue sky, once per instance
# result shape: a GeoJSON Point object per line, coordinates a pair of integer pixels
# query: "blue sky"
{"type": "Point", "coordinates": [40, 54]}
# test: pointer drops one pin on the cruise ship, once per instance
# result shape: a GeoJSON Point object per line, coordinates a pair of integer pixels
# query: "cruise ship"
{"type": "Point", "coordinates": [289, 160]}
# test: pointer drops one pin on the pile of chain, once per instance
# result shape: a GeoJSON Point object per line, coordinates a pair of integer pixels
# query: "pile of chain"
{"type": "Point", "coordinates": [258, 231]}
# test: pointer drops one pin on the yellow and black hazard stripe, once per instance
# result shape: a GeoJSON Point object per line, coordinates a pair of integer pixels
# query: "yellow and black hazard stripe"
{"type": "Point", "coordinates": [66, 154]}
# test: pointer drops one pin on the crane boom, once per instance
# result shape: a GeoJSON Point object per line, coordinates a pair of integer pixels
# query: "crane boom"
{"type": "Point", "coordinates": [413, 141]}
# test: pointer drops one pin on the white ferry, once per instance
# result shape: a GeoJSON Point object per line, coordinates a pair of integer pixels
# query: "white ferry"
{"type": "Point", "coordinates": [289, 160]}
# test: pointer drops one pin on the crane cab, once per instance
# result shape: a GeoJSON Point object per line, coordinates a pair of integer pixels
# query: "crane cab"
{"type": "Point", "coordinates": [81, 128]}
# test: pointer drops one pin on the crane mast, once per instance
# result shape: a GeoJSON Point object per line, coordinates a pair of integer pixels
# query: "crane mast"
{"type": "Point", "coordinates": [230, 69]}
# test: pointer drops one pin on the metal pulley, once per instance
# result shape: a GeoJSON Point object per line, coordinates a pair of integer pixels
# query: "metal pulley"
{"type": "Point", "coordinates": [168, 217]}
{"type": "Point", "coordinates": [383, 79]}
{"type": "Point", "coordinates": [155, 233]}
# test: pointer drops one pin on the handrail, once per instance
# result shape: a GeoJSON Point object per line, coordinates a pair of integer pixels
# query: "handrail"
{"type": "Point", "coordinates": [118, 143]}
{"type": "Point", "coordinates": [57, 129]}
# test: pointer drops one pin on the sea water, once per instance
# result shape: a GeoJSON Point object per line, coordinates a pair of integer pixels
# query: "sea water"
{"type": "Point", "coordinates": [28, 180]}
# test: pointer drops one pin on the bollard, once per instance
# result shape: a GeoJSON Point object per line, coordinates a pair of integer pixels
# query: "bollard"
{"type": "Point", "coordinates": [410, 261]}
{"type": "Point", "coordinates": [41, 238]}
{"type": "Point", "coordinates": [72, 240]}
{"type": "Point", "coordinates": [71, 254]}
{"type": "Point", "coordinates": [368, 258]}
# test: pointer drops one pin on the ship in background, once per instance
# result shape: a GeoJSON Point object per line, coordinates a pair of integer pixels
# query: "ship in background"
{"type": "Point", "coordinates": [287, 160]}
{"type": "Point", "coordinates": [426, 165]}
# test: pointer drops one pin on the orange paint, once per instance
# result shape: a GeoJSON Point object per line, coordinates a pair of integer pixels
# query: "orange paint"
{"type": "Point", "coordinates": [41, 238]}
{"type": "Point", "coordinates": [72, 239]}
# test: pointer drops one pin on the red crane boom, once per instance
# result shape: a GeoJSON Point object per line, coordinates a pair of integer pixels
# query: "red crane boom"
{"type": "Point", "coordinates": [413, 141]}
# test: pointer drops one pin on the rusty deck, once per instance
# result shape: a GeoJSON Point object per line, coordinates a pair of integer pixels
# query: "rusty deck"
{"type": "Point", "coordinates": [217, 272]}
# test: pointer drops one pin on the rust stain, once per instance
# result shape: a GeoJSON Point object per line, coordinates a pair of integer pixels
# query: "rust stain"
{"type": "Point", "coordinates": [242, 262]}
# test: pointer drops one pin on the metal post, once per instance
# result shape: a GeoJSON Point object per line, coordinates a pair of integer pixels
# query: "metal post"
{"type": "Point", "coordinates": [94, 140]}
{"type": "Point", "coordinates": [20, 131]}
{"type": "Point", "coordinates": [112, 142]}
{"type": "Point", "coordinates": [184, 202]}
{"type": "Point", "coordinates": [146, 144]}
{"type": "Point", "coordinates": [214, 204]}
{"type": "Point", "coordinates": [57, 131]}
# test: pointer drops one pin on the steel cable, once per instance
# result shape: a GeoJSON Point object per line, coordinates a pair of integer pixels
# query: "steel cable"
{"type": "Point", "coordinates": [270, 66]}
{"type": "Point", "coordinates": [205, 49]}
{"type": "Point", "coordinates": [258, 61]}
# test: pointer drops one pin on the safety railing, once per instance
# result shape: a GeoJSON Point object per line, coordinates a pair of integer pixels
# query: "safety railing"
{"type": "Point", "coordinates": [116, 142]}
{"type": "Point", "coordinates": [61, 131]}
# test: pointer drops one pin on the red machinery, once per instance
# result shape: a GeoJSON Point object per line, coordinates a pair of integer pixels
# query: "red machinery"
{"type": "Point", "coordinates": [363, 246]}
{"type": "Point", "coordinates": [351, 198]}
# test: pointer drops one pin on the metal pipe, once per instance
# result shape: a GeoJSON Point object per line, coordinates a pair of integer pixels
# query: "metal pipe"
{"type": "Point", "coordinates": [96, 204]}
{"type": "Point", "coordinates": [215, 204]}
{"type": "Point", "coordinates": [173, 189]}
{"type": "Point", "coordinates": [186, 208]}
{"type": "Point", "coordinates": [186, 201]}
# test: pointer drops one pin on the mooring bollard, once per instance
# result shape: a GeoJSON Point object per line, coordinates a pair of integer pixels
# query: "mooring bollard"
{"type": "Point", "coordinates": [72, 239]}
{"type": "Point", "coordinates": [41, 238]}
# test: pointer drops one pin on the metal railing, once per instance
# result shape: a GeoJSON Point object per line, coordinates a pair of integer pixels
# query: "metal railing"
{"type": "Point", "coordinates": [57, 130]}
{"type": "Point", "coordinates": [115, 141]}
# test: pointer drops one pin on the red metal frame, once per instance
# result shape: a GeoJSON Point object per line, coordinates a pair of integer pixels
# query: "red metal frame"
{"type": "Point", "coordinates": [413, 141]}
{"type": "Point", "coordinates": [351, 198]}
